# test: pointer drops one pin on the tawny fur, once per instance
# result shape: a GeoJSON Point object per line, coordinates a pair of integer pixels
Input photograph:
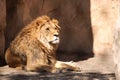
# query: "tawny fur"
{"type": "Point", "coordinates": [34, 47]}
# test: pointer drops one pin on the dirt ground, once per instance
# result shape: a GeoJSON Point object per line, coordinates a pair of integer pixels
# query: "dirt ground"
{"type": "Point", "coordinates": [100, 67]}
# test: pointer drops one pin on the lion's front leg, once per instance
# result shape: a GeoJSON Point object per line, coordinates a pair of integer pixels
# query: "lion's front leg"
{"type": "Point", "coordinates": [33, 63]}
{"type": "Point", "coordinates": [66, 66]}
{"type": "Point", "coordinates": [38, 64]}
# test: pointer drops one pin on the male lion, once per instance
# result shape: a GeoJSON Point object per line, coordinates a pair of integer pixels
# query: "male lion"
{"type": "Point", "coordinates": [34, 47]}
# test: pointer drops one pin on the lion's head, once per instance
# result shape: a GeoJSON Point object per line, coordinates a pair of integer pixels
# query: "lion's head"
{"type": "Point", "coordinates": [46, 30]}
{"type": "Point", "coordinates": [50, 31]}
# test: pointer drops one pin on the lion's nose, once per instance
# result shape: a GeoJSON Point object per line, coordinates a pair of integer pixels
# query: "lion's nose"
{"type": "Point", "coordinates": [56, 35]}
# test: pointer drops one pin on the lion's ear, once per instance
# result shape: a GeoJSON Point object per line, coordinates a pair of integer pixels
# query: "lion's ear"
{"type": "Point", "coordinates": [42, 20]}
{"type": "Point", "coordinates": [45, 18]}
{"type": "Point", "coordinates": [55, 21]}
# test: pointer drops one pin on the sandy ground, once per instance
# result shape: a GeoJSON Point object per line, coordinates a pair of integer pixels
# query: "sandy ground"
{"type": "Point", "coordinates": [100, 67]}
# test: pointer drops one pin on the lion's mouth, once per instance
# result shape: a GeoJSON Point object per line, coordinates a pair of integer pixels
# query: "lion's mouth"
{"type": "Point", "coordinates": [55, 41]}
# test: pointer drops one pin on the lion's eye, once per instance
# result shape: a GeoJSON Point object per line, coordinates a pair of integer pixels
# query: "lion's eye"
{"type": "Point", "coordinates": [55, 28]}
{"type": "Point", "coordinates": [47, 29]}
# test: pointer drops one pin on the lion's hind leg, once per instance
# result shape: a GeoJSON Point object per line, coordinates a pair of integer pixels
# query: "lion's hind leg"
{"type": "Point", "coordinates": [13, 60]}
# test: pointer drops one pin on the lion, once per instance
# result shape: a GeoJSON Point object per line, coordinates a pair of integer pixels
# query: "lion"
{"type": "Point", "coordinates": [34, 47]}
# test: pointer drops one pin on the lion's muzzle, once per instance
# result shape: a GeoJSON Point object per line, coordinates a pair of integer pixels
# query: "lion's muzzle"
{"type": "Point", "coordinates": [55, 40]}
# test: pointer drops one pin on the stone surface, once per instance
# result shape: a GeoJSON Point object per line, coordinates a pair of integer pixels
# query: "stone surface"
{"type": "Point", "coordinates": [2, 28]}
{"type": "Point", "coordinates": [116, 48]}
{"type": "Point", "coordinates": [104, 15]}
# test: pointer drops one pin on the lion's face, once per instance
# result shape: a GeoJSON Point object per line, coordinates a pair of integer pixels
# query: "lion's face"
{"type": "Point", "coordinates": [51, 32]}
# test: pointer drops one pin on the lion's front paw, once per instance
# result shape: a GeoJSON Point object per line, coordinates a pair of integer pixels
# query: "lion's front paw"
{"type": "Point", "coordinates": [78, 69]}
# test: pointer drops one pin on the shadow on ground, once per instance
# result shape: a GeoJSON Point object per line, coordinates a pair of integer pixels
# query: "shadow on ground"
{"type": "Point", "coordinates": [59, 76]}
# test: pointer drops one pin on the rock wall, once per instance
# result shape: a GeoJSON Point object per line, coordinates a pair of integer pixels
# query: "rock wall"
{"type": "Point", "coordinates": [2, 28]}
{"type": "Point", "coordinates": [74, 17]}
{"type": "Point", "coordinates": [104, 15]}
{"type": "Point", "coordinates": [116, 47]}
{"type": "Point", "coordinates": [117, 51]}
